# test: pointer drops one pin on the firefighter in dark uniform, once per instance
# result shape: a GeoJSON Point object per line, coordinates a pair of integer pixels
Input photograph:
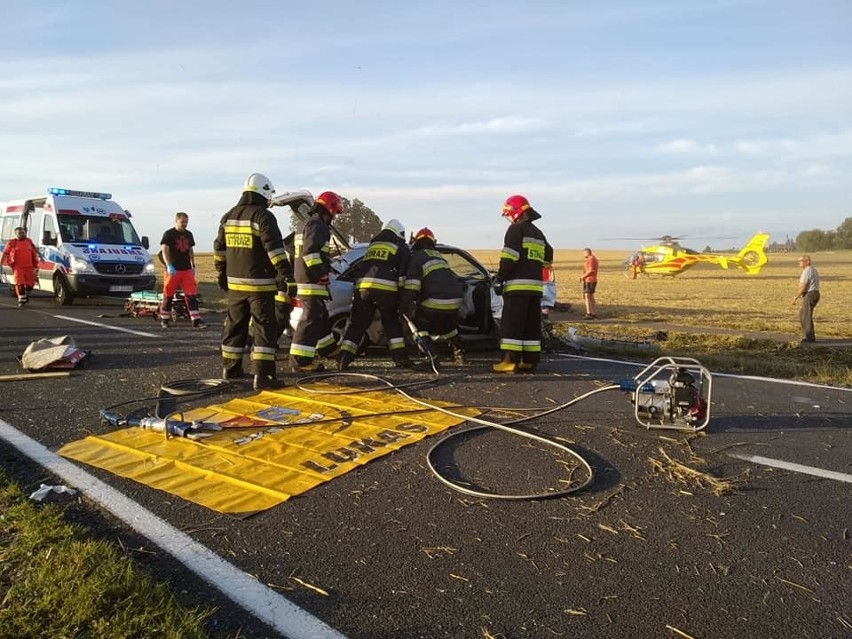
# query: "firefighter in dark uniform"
{"type": "Point", "coordinates": [313, 334]}
{"type": "Point", "coordinates": [525, 251]}
{"type": "Point", "coordinates": [249, 257]}
{"type": "Point", "coordinates": [432, 295]}
{"type": "Point", "coordinates": [381, 276]}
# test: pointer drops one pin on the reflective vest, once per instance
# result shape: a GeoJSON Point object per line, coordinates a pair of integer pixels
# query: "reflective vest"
{"type": "Point", "coordinates": [525, 251]}
{"type": "Point", "coordinates": [248, 247]}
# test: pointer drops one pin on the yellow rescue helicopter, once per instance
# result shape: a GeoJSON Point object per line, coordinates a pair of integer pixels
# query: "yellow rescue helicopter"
{"type": "Point", "coordinates": [670, 258]}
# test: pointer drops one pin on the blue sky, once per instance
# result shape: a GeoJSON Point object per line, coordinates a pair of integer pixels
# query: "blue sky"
{"type": "Point", "coordinates": [701, 118]}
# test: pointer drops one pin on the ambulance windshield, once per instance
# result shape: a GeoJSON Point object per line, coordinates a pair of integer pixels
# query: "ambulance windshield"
{"type": "Point", "coordinates": [97, 229]}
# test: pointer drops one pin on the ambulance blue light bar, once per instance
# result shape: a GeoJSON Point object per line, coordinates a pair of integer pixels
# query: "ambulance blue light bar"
{"type": "Point", "coordinates": [100, 196]}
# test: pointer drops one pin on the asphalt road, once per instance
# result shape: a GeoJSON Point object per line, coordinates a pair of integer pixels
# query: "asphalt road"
{"type": "Point", "coordinates": [399, 555]}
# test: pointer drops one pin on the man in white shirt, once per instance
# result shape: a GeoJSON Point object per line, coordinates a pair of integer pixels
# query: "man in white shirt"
{"type": "Point", "coordinates": [809, 292]}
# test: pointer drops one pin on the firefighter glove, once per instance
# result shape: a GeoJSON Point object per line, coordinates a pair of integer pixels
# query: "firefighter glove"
{"type": "Point", "coordinates": [222, 281]}
{"type": "Point", "coordinates": [498, 285]}
{"type": "Point", "coordinates": [282, 283]}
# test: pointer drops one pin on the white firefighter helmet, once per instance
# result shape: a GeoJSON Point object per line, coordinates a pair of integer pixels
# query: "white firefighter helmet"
{"type": "Point", "coordinates": [395, 226]}
{"type": "Point", "coordinates": [259, 183]}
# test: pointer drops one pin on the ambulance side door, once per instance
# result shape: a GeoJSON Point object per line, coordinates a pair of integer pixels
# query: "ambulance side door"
{"type": "Point", "coordinates": [48, 230]}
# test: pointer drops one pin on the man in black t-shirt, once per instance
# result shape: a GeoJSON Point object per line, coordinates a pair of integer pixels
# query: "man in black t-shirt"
{"type": "Point", "coordinates": [178, 257]}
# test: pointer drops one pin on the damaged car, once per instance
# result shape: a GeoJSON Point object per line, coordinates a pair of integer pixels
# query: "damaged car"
{"type": "Point", "coordinates": [479, 315]}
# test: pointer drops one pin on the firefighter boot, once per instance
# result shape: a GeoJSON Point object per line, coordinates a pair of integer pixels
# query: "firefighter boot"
{"type": "Point", "coordinates": [507, 365]}
{"type": "Point", "coordinates": [264, 377]}
{"type": "Point", "coordinates": [267, 381]}
{"type": "Point", "coordinates": [305, 365]}
{"type": "Point", "coordinates": [233, 372]}
{"type": "Point", "coordinates": [344, 360]}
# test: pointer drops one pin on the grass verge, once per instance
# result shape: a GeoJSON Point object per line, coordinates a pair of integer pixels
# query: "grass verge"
{"type": "Point", "coordinates": [731, 353]}
{"type": "Point", "coordinates": [55, 581]}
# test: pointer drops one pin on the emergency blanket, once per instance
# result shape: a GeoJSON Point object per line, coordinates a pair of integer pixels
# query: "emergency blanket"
{"type": "Point", "coordinates": [272, 445]}
{"type": "Point", "coordinates": [52, 353]}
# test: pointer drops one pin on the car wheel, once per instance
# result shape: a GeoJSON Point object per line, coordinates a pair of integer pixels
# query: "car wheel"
{"type": "Point", "coordinates": [62, 294]}
{"type": "Point", "coordinates": [339, 324]}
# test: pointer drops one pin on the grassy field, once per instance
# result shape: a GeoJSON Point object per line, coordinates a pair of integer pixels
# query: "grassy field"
{"type": "Point", "coordinates": [706, 296]}
{"type": "Point", "coordinates": [702, 300]}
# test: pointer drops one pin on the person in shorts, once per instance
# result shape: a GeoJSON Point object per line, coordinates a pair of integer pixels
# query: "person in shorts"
{"type": "Point", "coordinates": [589, 278]}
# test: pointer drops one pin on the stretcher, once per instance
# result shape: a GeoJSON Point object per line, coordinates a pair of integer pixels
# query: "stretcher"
{"type": "Point", "coordinates": [143, 303]}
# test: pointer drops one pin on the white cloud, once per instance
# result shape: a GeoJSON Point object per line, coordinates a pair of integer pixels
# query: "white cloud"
{"type": "Point", "coordinates": [820, 145]}
{"type": "Point", "coordinates": [508, 125]}
{"type": "Point", "coordinates": [685, 146]}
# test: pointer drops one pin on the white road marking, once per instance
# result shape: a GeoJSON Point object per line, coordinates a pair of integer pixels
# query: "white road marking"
{"type": "Point", "coordinates": [756, 378]}
{"type": "Point", "coordinates": [266, 604]}
{"type": "Point", "coordinates": [798, 468]}
{"type": "Point", "coordinates": [107, 326]}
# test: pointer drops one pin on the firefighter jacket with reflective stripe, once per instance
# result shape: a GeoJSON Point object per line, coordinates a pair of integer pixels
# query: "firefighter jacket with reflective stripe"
{"type": "Point", "coordinates": [385, 263]}
{"type": "Point", "coordinates": [313, 261]}
{"type": "Point", "coordinates": [430, 282]}
{"type": "Point", "coordinates": [525, 251]}
{"type": "Point", "coordinates": [248, 247]}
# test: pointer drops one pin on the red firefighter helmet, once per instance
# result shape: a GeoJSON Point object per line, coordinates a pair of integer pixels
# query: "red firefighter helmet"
{"type": "Point", "coordinates": [331, 201]}
{"type": "Point", "coordinates": [424, 232]}
{"type": "Point", "coordinates": [514, 207]}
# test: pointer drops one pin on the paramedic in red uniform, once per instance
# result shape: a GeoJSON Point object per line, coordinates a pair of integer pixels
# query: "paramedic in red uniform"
{"type": "Point", "coordinates": [179, 260]}
{"type": "Point", "coordinates": [21, 254]}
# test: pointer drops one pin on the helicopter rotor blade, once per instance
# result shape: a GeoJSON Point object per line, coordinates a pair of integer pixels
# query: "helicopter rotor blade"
{"type": "Point", "coordinates": [672, 238]}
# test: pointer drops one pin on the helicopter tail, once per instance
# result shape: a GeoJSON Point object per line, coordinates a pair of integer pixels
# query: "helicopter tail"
{"type": "Point", "coordinates": [752, 258]}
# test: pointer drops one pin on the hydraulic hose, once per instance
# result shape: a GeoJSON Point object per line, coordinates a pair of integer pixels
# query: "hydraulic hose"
{"type": "Point", "coordinates": [483, 423]}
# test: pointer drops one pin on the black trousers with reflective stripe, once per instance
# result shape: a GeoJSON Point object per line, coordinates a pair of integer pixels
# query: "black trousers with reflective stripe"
{"type": "Point", "coordinates": [313, 334]}
{"type": "Point", "coordinates": [364, 305]}
{"type": "Point", "coordinates": [260, 308]}
{"type": "Point", "coordinates": [521, 321]}
{"type": "Point", "coordinates": [436, 323]}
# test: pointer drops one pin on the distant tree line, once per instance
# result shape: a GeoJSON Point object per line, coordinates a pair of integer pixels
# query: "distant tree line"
{"type": "Point", "coordinates": [819, 240]}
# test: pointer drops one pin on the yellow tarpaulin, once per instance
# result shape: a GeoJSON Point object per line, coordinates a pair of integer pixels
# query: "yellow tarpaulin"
{"type": "Point", "coordinates": [273, 445]}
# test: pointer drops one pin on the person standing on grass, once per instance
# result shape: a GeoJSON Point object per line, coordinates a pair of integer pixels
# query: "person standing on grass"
{"type": "Point", "coordinates": [809, 292]}
{"type": "Point", "coordinates": [179, 259]}
{"type": "Point", "coordinates": [589, 278]}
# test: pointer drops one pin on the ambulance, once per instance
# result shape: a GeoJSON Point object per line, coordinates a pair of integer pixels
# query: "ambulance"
{"type": "Point", "coordinates": [86, 242]}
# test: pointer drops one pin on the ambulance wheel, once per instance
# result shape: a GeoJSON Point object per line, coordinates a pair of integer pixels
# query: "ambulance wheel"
{"type": "Point", "coordinates": [62, 294]}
